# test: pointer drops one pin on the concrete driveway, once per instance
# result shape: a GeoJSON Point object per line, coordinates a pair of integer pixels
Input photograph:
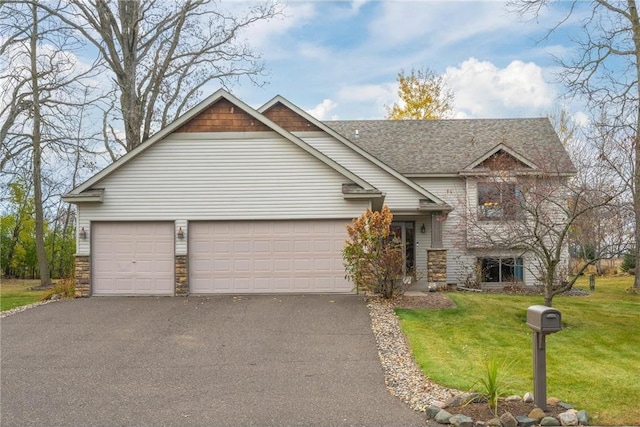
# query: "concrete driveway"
{"type": "Point", "coordinates": [260, 360]}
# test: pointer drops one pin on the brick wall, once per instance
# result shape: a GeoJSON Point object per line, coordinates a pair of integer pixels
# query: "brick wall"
{"type": "Point", "coordinates": [223, 116]}
{"type": "Point", "coordinates": [289, 120]}
{"type": "Point", "coordinates": [182, 284]}
{"type": "Point", "coordinates": [437, 266]}
{"type": "Point", "coordinates": [83, 276]}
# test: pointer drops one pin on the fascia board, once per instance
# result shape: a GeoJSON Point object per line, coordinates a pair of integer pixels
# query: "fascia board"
{"type": "Point", "coordinates": [507, 150]}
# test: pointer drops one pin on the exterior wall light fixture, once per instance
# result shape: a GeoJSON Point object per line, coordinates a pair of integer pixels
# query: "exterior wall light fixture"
{"type": "Point", "coordinates": [180, 233]}
{"type": "Point", "coordinates": [423, 229]}
{"type": "Point", "coordinates": [83, 233]}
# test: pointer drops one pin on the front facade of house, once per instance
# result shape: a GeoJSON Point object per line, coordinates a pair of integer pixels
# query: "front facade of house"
{"type": "Point", "coordinates": [229, 199]}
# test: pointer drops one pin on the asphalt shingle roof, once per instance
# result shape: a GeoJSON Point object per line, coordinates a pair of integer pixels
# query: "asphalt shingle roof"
{"type": "Point", "coordinates": [448, 146]}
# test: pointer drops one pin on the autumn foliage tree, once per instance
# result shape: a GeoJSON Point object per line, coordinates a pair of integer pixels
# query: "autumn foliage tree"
{"type": "Point", "coordinates": [424, 95]}
{"type": "Point", "coordinates": [372, 255]}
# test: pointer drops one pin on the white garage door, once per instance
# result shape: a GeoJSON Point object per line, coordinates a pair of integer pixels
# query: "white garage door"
{"type": "Point", "coordinates": [267, 256]}
{"type": "Point", "coordinates": [132, 258]}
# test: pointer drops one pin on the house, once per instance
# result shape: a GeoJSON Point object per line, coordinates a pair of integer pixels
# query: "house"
{"type": "Point", "coordinates": [230, 199]}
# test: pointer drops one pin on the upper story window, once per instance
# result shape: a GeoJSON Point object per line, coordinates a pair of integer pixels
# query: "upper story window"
{"type": "Point", "coordinates": [497, 201]}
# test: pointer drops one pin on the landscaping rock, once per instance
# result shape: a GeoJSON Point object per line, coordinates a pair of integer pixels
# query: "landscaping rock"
{"type": "Point", "coordinates": [508, 420]}
{"type": "Point", "coordinates": [525, 421]}
{"type": "Point", "coordinates": [565, 405]}
{"type": "Point", "coordinates": [514, 398]}
{"type": "Point", "coordinates": [443, 417]}
{"type": "Point", "coordinates": [549, 421]}
{"type": "Point", "coordinates": [583, 417]}
{"type": "Point", "coordinates": [528, 397]}
{"type": "Point", "coordinates": [463, 399]}
{"type": "Point", "coordinates": [460, 420]}
{"type": "Point", "coordinates": [537, 414]}
{"type": "Point", "coordinates": [553, 401]}
{"type": "Point", "coordinates": [403, 377]}
{"type": "Point", "coordinates": [494, 422]}
{"type": "Point", "coordinates": [568, 418]}
{"type": "Point", "coordinates": [432, 411]}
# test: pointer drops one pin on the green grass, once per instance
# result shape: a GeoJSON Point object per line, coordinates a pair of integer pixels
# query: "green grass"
{"type": "Point", "coordinates": [593, 363]}
{"type": "Point", "coordinates": [15, 293]}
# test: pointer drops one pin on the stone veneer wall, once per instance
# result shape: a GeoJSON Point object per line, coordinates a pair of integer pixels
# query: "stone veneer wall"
{"type": "Point", "coordinates": [83, 275]}
{"type": "Point", "coordinates": [437, 266]}
{"type": "Point", "coordinates": [182, 284]}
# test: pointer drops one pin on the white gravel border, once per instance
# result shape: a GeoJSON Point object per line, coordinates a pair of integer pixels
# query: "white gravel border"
{"type": "Point", "coordinates": [8, 313]}
{"type": "Point", "coordinates": [403, 377]}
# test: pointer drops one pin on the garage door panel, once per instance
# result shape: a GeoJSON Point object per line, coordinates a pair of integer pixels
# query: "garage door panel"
{"type": "Point", "coordinates": [132, 258]}
{"type": "Point", "coordinates": [275, 256]}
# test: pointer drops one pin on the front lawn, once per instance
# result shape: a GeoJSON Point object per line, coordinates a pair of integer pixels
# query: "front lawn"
{"type": "Point", "coordinates": [593, 363]}
{"type": "Point", "coordinates": [15, 293]}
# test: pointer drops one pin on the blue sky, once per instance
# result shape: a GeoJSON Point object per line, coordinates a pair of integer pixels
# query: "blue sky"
{"type": "Point", "coordinates": [339, 60]}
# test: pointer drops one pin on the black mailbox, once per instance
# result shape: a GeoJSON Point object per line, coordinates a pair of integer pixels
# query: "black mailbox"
{"type": "Point", "coordinates": [544, 319]}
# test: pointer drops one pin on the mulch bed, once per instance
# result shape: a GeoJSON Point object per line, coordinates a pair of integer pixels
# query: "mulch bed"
{"type": "Point", "coordinates": [432, 300]}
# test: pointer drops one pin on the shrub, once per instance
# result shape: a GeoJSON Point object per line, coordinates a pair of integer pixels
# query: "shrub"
{"type": "Point", "coordinates": [373, 257]}
{"type": "Point", "coordinates": [494, 383]}
{"type": "Point", "coordinates": [64, 288]}
{"type": "Point", "coordinates": [628, 262]}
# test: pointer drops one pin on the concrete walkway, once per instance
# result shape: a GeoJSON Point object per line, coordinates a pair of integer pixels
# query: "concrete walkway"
{"type": "Point", "coordinates": [263, 360]}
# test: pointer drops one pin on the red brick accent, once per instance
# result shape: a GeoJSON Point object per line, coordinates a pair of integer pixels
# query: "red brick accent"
{"type": "Point", "coordinates": [222, 116]}
{"type": "Point", "coordinates": [289, 119]}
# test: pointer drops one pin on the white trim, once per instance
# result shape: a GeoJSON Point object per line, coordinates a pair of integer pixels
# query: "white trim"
{"type": "Point", "coordinates": [494, 150]}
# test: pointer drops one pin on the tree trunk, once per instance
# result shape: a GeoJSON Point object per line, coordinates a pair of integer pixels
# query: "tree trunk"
{"type": "Point", "coordinates": [635, 26]}
{"type": "Point", "coordinates": [43, 268]}
{"type": "Point", "coordinates": [129, 12]}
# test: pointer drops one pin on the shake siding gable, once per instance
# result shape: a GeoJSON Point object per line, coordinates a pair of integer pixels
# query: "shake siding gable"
{"type": "Point", "coordinates": [288, 119]}
{"type": "Point", "coordinates": [222, 116]}
{"type": "Point", "coordinates": [223, 177]}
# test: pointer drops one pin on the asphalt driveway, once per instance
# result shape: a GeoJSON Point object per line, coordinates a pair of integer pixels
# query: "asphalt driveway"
{"type": "Point", "coordinates": [262, 360]}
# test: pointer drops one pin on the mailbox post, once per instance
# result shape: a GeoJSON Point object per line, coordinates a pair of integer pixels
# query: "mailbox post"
{"type": "Point", "coordinates": [543, 320]}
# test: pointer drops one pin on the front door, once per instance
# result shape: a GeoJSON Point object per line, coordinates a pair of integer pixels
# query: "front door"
{"type": "Point", "coordinates": [405, 231]}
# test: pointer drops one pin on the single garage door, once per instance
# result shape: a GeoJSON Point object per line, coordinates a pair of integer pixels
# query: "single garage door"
{"type": "Point", "coordinates": [132, 258]}
{"type": "Point", "coordinates": [267, 257]}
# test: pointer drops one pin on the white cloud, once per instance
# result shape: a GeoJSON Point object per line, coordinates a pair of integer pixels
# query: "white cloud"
{"type": "Point", "coordinates": [581, 119]}
{"type": "Point", "coordinates": [322, 110]}
{"type": "Point", "coordinates": [438, 23]}
{"type": "Point", "coordinates": [265, 35]}
{"type": "Point", "coordinates": [484, 90]}
{"type": "Point", "coordinates": [376, 97]}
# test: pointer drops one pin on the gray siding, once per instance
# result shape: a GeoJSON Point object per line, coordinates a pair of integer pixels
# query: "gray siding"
{"type": "Point", "coordinates": [399, 196]}
{"type": "Point", "coordinates": [190, 177]}
{"type": "Point", "coordinates": [460, 263]}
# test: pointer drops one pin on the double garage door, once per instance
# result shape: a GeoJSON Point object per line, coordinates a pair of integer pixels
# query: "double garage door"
{"type": "Point", "coordinates": [224, 257]}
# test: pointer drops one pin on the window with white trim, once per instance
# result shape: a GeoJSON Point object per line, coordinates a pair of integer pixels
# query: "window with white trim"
{"type": "Point", "coordinates": [501, 269]}
{"type": "Point", "coordinates": [498, 201]}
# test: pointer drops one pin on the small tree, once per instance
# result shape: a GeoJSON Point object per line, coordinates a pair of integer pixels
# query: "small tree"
{"type": "Point", "coordinates": [424, 95]}
{"type": "Point", "coordinates": [534, 214]}
{"type": "Point", "coordinates": [372, 255]}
